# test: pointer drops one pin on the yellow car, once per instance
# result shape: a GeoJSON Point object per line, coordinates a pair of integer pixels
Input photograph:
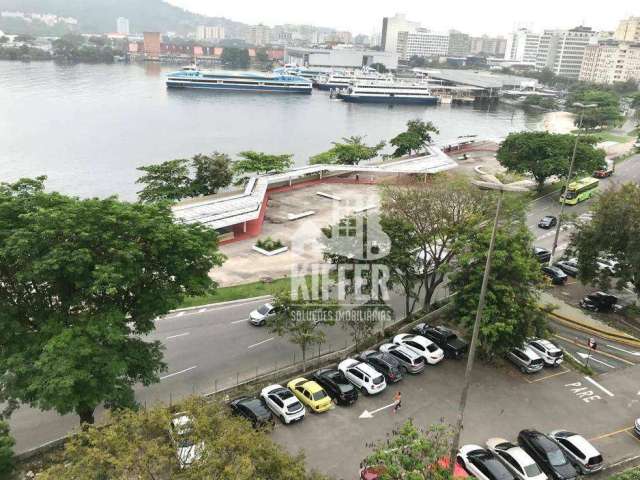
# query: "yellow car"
{"type": "Point", "coordinates": [311, 394]}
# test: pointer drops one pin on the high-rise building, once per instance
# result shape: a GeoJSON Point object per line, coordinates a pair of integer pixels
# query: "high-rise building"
{"type": "Point", "coordinates": [459, 44]}
{"type": "Point", "coordinates": [493, 46]}
{"type": "Point", "coordinates": [122, 26]}
{"type": "Point", "coordinates": [628, 30]}
{"type": "Point", "coordinates": [391, 26]}
{"type": "Point", "coordinates": [205, 32]}
{"type": "Point", "coordinates": [422, 43]}
{"type": "Point", "coordinates": [362, 39]}
{"type": "Point", "coordinates": [522, 46]}
{"type": "Point", "coordinates": [343, 37]}
{"type": "Point", "coordinates": [561, 51]}
{"type": "Point", "coordinates": [611, 61]}
{"type": "Point", "coordinates": [259, 35]}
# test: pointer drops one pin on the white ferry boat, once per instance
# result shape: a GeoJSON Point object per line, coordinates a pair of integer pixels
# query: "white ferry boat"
{"type": "Point", "coordinates": [192, 77]}
{"type": "Point", "coordinates": [343, 78]}
{"type": "Point", "coordinates": [388, 92]}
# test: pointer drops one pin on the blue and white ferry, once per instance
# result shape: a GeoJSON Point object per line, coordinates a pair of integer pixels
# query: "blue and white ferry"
{"type": "Point", "coordinates": [192, 77]}
{"type": "Point", "coordinates": [389, 92]}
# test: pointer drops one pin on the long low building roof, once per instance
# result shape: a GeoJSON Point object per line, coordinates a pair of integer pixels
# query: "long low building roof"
{"type": "Point", "coordinates": [219, 212]}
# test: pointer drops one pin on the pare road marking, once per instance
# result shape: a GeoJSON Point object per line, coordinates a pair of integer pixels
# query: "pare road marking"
{"type": "Point", "coordinates": [583, 393]}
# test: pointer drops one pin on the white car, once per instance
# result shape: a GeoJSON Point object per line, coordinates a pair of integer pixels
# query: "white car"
{"type": "Point", "coordinates": [363, 376]}
{"type": "Point", "coordinates": [546, 350]}
{"type": "Point", "coordinates": [607, 264]}
{"type": "Point", "coordinates": [180, 433]}
{"type": "Point", "coordinates": [260, 315]}
{"type": "Point", "coordinates": [482, 464]}
{"type": "Point", "coordinates": [515, 459]}
{"type": "Point", "coordinates": [580, 452]}
{"type": "Point", "coordinates": [283, 403]}
{"type": "Point", "coordinates": [431, 352]}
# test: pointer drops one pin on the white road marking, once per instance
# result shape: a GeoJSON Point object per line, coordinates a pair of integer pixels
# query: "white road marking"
{"type": "Point", "coordinates": [178, 373]}
{"type": "Point", "coordinates": [180, 314]}
{"type": "Point", "coordinates": [202, 310]}
{"type": "Point", "coordinates": [593, 359]}
{"type": "Point", "coordinates": [239, 321]}
{"type": "Point", "coordinates": [589, 379]}
{"type": "Point", "coordinates": [178, 335]}
{"type": "Point", "coordinates": [637, 354]}
{"type": "Point", "coordinates": [369, 414]}
{"type": "Point", "coordinates": [260, 343]}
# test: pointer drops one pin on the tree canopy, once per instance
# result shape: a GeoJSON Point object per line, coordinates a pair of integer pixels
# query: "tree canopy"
{"type": "Point", "coordinates": [606, 114]}
{"type": "Point", "coordinates": [351, 151]}
{"type": "Point", "coordinates": [211, 173]}
{"type": "Point", "coordinates": [260, 163]}
{"type": "Point", "coordinates": [6, 450]}
{"type": "Point", "coordinates": [81, 282]}
{"type": "Point", "coordinates": [236, 57]}
{"type": "Point", "coordinates": [415, 138]}
{"type": "Point", "coordinates": [543, 155]}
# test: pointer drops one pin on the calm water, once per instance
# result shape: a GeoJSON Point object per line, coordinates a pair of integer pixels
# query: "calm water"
{"type": "Point", "coordinates": [87, 127]}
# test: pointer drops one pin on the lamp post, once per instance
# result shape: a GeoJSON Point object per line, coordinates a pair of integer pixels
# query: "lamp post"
{"type": "Point", "coordinates": [569, 173]}
{"type": "Point", "coordinates": [485, 182]}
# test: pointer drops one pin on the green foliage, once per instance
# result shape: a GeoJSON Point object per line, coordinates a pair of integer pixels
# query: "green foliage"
{"type": "Point", "coordinates": [269, 244]}
{"type": "Point", "coordinates": [82, 282]}
{"type": "Point", "coordinates": [548, 103]}
{"type": "Point", "coordinates": [606, 114]}
{"type": "Point", "coordinates": [165, 181]}
{"type": "Point", "coordinates": [75, 48]}
{"type": "Point", "coordinates": [543, 154]}
{"type": "Point", "coordinates": [23, 52]}
{"type": "Point", "coordinates": [6, 450]}
{"type": "Point", "coordinates": [416, 137]}
{"type": "Point", "coordinates": [631, 474]}
{"type": "Point", "coordinates": [139, 445]}
{"type": "Point", "coordinates": [260, 163]}
{"type": "Point", "coordinates": [235, 57]}
{"type": "Point", "coordinates": [614, 232]}
{"type": "Point", "coordinates": [351, 151]}
{"type": "Point", "coordinates": [379, 67]}
{"type": "Point", "coordinates": [511, 313]}
{"type": "Point", "coordinates": [635, 100]}
{"type": "Point", "coordinates": [417, 61]}
{"type": "Point", "coordinates": [413, 453]}
{"type": "Point", "coordinates": [212, 172]}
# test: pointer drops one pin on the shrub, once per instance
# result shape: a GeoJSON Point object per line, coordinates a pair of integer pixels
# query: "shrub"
{"type": "Point", "coordinates": [269, 244]}
{"type": "Point", "coordinates": [6, 450]}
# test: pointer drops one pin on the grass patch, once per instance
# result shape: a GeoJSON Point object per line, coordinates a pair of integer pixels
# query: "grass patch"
{"type": "Point", "coordinates": [606, 136]}
{"type": "Point", "coordinates": [631, 474]}
{"type": "Point", "coordinates": [578, 366]}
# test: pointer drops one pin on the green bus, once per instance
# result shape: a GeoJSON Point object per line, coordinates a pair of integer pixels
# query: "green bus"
{"type": "Point", "coordinates": [580, 190]}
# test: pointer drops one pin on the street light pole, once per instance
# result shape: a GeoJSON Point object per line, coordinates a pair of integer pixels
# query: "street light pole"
{"type": "Point", "coordinates": [568, 179]}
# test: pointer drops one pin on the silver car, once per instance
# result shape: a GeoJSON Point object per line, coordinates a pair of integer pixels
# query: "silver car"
{"type": "Point", "coordinates": [410, 360]}
{"type": "Point", "coordinates": [580, 452]}
{"type": "Point", "coordinates": [525, 359]}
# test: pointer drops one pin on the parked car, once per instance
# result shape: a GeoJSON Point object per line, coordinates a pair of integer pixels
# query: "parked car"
{"type": "Point", "coordinates": [548, 221]}
{"type": "Point", "coordinates": [636, 427]}
{"type": "Point", "coordinates": [385, 363]}
{"type": "Point", "coordinates": [547, 454]}
{"type": "Point", "coordinates": [411, 362]}
{"type": "Point", "coordinates": [261, 315]}
{"type": "Point", "coordinates": [336, 385]}
{"type": "Point", "coordinates": [363, 376]}
{"type": "Point", "coordinates": [525, 359]}
{"type": "Point", "coordinates": [452, 345]}
{"type": "Point", "coordinates": [310, 394]}
{"type": "Point", "coordinates": [515, 459]}
{"type": "Point", "coordinates": [584, 456]}
{"type": "Point", "coordinates": [542, 254]}
{"type": "Point", "coordinates": [557, 276]}
{"type": "Point", "coordinates": [599, 302]}
{"type": "Point", "coordinates": [607, 171]}
{"type": "Point", "coordinates": [570, 267]}
{"type": "Point", "coordinates": [607, 264]}
{"type": "Point", "coordinates": [180, 432]}
{"type": "Point", "coordinates": [283, 403]}
{"type": "Point", "coordinates": [253, 410]}
{"type": "Point", "coordinates": [431, 352]}
{"type": "Point", "coordinates": [482, 464]}
{"type": "Point", "coordinates": [548, 351]}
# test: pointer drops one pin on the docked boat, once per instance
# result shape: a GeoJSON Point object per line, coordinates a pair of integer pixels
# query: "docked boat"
{"type": "Point", "coordinates": [389, 92]}
{"type": "Point", "coordinates": [192, 77]}
{"type": "Point", "coordinates": [340, 79]}
{"type": "Point", "coordinates": [304, 72]}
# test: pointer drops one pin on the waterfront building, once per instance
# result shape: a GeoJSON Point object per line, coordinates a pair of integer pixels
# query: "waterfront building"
{"type": "Point", "coordinates": [122, 26]}
{"type": "Point", "coordinates": [210, 33]}
{"type": "Point", "coordinates": [391, 27]}
{"type": "Point", "coordinates": [422, 43]}
{"type": "Point", "coordinates": [611, 61]}
{"type": "Point", "coordinates": [522, 46]}
{"type": "Point", "coordinates": [259, 35]}
{"type": "Point", "coordinates": [628, 30]}
{"type": "Point", "coordinates": [340, 57]}
{"type": "Point", "coordinates": [152, 45]}
{"type": "Point", "coordinates": [562, 51]}
{"type": "Point", "coordinates": [459, 44]}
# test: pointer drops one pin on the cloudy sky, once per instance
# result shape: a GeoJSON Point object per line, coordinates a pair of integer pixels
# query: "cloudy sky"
{"type": "Point", "coordinates": [472, 16]}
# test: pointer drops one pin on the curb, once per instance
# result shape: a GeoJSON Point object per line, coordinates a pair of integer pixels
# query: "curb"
{"type": "Point", "coordinates": [621, 338]}
{"type": "Point", "coordinates": [216, 304]}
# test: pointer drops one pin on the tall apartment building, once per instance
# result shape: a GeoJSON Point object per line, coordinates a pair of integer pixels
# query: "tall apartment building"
{"type": "Point", "coordinates": [391, 27]}
{"type": "Point", "coordinates": [562, 51]}
{"type": "Point", "coordinates": [459, 44]}
{"type": "Point", "coordinates": [494, 46]}
{"type": "Point", "coordinates": [611, 61]}
{"type": "Point", "coordinates": [422, 43]}
{"type": "Point", "coordinates": [205, 32]}
{"type": "Point", "coordinates": [259, 35]}
{"type": "Point", "coordinates": [343, 37]}
{"type": "Point", "coordinates": [122, 26]}
{"type": "Point", "coordinates": [522, 46]}
{"type": "Point", "coordinates": [628, 30]}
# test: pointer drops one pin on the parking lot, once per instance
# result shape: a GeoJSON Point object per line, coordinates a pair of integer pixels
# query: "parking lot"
{"type": "Point", "coordinates": [502, 402]}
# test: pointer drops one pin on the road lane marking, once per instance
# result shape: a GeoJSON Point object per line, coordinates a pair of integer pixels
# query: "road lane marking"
{"type": "Point", "coordinates": [260, 343]}
{"type": "Point", "coordinates": [606, 354]}
{"type": "Point", "coordinates": [611, 434]}
{"type": "Point", "coordinates": [632, 435]}
{"type": "Point", "coordinates": [180, 314]}
{"type": "Point", "coordinates": [178, 335]}
{"type": "Point", "coordinates": [202, 310]}
{"type": "Point", "coordinates": [239, 321]}
{"type": "Point", "coordinates": [548, 376]}
{"type": "Point", "coordinates": [369, 414]}
{"type": "Point", "coordinates": [635, 354]}
{"type": "Point", "coordinates": [587, 357]}
{"type": "Point", "coordinates": [178, 373]}
{"type": "Point", "coordinates": [589, 379]}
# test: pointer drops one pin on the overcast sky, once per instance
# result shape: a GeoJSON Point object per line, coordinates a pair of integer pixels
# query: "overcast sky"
{"type": "Point", "coordinates": [471, 16]}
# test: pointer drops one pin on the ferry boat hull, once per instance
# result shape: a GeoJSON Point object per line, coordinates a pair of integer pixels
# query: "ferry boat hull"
{"type": "Point", "coordinates": [389, 99]}
{"type": "Point", "coordinates": [238, 88]}
{"type": "Point", "coordinates": [241, 82]}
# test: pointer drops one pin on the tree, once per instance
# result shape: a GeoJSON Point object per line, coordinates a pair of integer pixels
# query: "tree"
{"type": "Point", "coordinates": [261, 163]}
{"type": "Point", "coordinates": [81, 282]}
{"type": "Point", "coordinates": [6, 450]}
{"type": "Point", "coordinates": [543, 155]}
{"type": "Point", "coordinates": [635, 100]}
{"type": "Point", "coordinates": [613, 232]}
{"type": "Point", "coordinates": [413, 453]}
{"type": "Point", "coordinates": [165, 181]}
{"type": "Point", "coordinates": [352, 151]}
{"type": "Point", "coordinates": [235, 57]}
{"type": "Point", "coordinates": [212, 172]}
{"type": "Point", "coordinates": [606, 114]}
{"type": "Point", "coordinates": [137, 444]}
{"type": "Point", "coordinates": [362, 320]}
{"type": "Point", "coordinates": [417, 61]}
{"type": "Point", "coordinates": [438, 213]}
{"type": "Point", "coordinates": [379, 67]}
{"type": "Point", "coordinates": [416, 137]}
{"type": "Point", "coordinates": [511, 313]}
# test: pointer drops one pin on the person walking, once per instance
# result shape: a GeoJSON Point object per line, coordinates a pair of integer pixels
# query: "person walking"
{"type": "Point", "coordinates": [398, 402]}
